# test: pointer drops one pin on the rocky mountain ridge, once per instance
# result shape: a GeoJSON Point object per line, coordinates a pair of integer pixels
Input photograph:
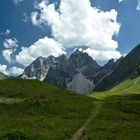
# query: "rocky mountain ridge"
{"type": "Point", "coordinates": [79, 72]}
{"type": "Point", "coordinates": [129, 67]}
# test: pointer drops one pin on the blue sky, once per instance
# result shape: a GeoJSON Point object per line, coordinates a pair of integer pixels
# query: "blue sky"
{"type": "Point", "coordinates": [25, 28]}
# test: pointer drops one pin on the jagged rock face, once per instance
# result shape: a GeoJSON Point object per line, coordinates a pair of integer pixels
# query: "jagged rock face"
{"type": "Point", "coordinates": [79, 59]}
{"type": "Point", "coordinates": [80, 84]}
{"type": "Point", "coordinates": [39, 68]}
{"type": "Point", "coordinates": [62, 73]}
{"type": "Point", "coordinates": [109, 65]}
{"type": "Point", "coordinates": [78, 62]}
{"type": "Point", "coordinates": [79, 72]}
{"type": "Point", "coordinates": [127, 68]}
{"type": "Point", "coordinates": [107, 69]}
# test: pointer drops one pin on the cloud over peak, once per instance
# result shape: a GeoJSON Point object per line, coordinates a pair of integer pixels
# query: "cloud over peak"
{"type": "Point", "coordinates": [73, 24]}
{"type": "Point", "coordinates": [43, 47]}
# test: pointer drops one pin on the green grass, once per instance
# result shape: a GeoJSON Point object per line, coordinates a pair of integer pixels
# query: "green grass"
{"type": "Point", "coordinates": [130, 86]}
{"type": "Point", "coordinates": [45, 113]}
{"type": "Point", "coordinates": [119, 117]}
{"type": "Point", "coordinates": [49, 113]}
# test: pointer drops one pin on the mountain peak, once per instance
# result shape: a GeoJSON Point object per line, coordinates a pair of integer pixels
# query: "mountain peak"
{"type": "Point", "coordinates": [51, 58]}
{"type": "Point", "coordinates": [111, 61]}
{"type": "Point", "coordinates": [80, 59]}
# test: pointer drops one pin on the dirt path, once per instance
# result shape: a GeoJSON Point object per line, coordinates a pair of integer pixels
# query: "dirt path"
{"type": "Point", "coordinates": [9, 101]}
{"type": "Point", "coordinates": [80, 131]}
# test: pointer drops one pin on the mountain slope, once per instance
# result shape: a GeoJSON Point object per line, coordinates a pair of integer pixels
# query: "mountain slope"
{"type": "Point", "coordinates": [60, 71]}
{"type": "Point", "coordinates": [128, 68]}
{"type": "Point", "coordinates": [119, 116]}
{"type": "Point", "coordinates": [64, 72]}
{"type": "Point", "coordinates": [128, 87]}
{"type": "Point", "coordinates": [39, 68]}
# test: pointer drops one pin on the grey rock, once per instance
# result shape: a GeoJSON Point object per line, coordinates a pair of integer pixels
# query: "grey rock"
{"type": "Point", "coordinates": [79, 72]}
{"type": "Point", "coordinates": [80, 84]}
{"type": "Point", "coordinates": [39, 68]}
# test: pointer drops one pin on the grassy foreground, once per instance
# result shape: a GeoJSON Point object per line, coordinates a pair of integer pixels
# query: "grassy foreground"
{"type": "Point", "coordinates": [119, 117]}
{"type": "Point", "coordinates": [42, 113]}
{"type": "Point", "coordinates": [31, 110]}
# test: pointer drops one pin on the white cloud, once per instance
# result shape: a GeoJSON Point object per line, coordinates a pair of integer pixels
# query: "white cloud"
{"type": "Point", "coordinates": [13, 71]}
{"type": "Point", "coordinates": [7, 54]}
{"type": "Point", "coordinates": [17, 1]}
{"type": "Point", "coordinates": [120, 0]}
{"type": "Point", "coordinates": [43, 47]}
{"type": "Point", "coordinates": [138, 5]}
{"type": "Point", "coordinates": [3, 68]}
{"type": "Point", "coordinates": [35, 22]}
{"type": "Point", "coordinates": [77, 23]}
{"type": "Point", "coordinates": [103, 55]}
{"type": "Point", "coordinates": [10, 43]}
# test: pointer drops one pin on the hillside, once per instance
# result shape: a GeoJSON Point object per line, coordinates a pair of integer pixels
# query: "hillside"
{"type": "Point", "coordinates": [129, 67]}
{"type": "Point", "coordinates": [62, 71]}
{"type": "Point", "coordinates": [32, 110]}
{"type": "Point", "coordinates": [130, 86]}
{"type": "Point", "coordinates": [119, 116]}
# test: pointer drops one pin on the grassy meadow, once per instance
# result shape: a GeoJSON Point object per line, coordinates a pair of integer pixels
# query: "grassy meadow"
{"type": "Point", "coordinates": [32, 110]}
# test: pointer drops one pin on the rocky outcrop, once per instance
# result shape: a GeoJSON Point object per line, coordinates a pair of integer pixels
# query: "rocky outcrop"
{"type": "Point", "coordinates": [39, 68]}
{"type": "Point", "coordinates": [64, 71]}
{"type": "Point", "coordinates": [79, 72]}
{"type": "Point", "coordinates": [80, 84]}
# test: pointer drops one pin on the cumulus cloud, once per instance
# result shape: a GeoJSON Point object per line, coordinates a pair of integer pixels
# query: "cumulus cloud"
{"type": "Point", "coordinates": [10, 43]}
{"type": "Point", "coordinates": [3, 68]}
{"type": "Point", "coordinates": [10, 47]}
{"type": "Point", "coordinates": [103, 55]}
{"type": "Point", "coordinates": [7, 54]}
{"type": "Point", "coordinates": [77, 23]}
{"type": "Point", "coordinates": [43, 47]}
{"type": "Point", "coordinates": [35, 22]}
{"type": "Point", "coordinates": [138, 5]}
{"type": "Point", "coordinates": [13, 71]}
